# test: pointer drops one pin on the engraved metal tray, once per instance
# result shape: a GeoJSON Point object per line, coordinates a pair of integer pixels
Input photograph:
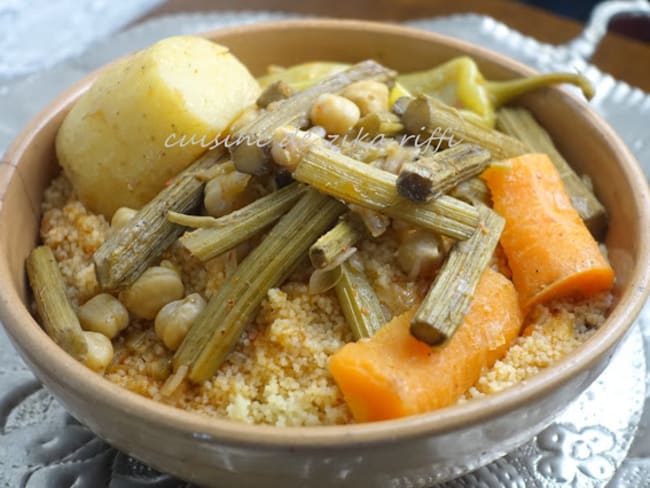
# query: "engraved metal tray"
{"type": "Point", "coordinates": [603, 438]}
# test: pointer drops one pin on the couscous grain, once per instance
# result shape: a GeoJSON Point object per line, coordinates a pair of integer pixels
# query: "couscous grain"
{"type": "Point", "coordinates": [278, 373]}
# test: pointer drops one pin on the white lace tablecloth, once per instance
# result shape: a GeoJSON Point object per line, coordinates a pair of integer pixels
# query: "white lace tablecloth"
{"type": "Point", "coordinates": [602, 438]}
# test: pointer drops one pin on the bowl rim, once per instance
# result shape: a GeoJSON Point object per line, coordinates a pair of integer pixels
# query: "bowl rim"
{"type": "Point", "coordinates": [33, 338]}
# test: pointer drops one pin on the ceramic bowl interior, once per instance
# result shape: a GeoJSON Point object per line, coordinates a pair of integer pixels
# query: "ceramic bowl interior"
{"type": "Point", "coordinates": [586, 141]}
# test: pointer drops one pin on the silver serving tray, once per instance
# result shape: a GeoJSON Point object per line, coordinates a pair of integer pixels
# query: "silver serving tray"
{"type": "Point", "coordinates": [603, 437]}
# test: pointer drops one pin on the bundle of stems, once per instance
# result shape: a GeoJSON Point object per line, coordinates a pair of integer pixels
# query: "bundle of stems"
{"type": "Point", "coordinates": [59, 318]}
{"type": "Point", "coordinates": [447, 302]}
{"type": "Point", "coordinates": [370, 187]}
{"type": "Point", "coordinates": [127, 253]}
{"type": "Point", "coordinates": [430, 178]}
{"type": "Point", "coordinates": [426, 116]}
{"type": "Point", "coordinates": [217, 329]}
{"type": "Point", "coordinates": [359, 303]}
{"type": "Point", "coordinates": [337, 241]}
{"type": "Point", "coordinates": [232, 229]}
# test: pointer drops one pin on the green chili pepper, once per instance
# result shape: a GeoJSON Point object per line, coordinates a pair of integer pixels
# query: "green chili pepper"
{"type": "Point", "coordinates": [459, 83]}
{"type": "Point", "coordinates": [301, 76]}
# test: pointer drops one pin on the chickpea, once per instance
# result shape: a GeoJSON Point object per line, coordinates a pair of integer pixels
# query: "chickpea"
{"type": "Point", "coordinates": [420, 254]}
{"type": "Point", "coordinates": [370, 96]}
{"type": "Point", "coordinates": [337, 115]}
{"type": "Point", "coordinates": [222, 191]}
{"type": "Point", "coordinates": [166, 263]}
{"type": "Point", "coordinates": [100, 351]}
{"type": "Point", "coordinates": [156, 287]}
{"type": "Point", "coordinates": [104, 314]}
{"type": "Point", "coordinates": [288, 144]}
{"type": "Point", "coordinates": [175, 319]}
{"type": "Point", "coordinates": [121, 217]}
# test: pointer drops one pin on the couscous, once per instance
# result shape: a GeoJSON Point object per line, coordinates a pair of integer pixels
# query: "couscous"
{"type": "Point", "coordinates": [278, 367]}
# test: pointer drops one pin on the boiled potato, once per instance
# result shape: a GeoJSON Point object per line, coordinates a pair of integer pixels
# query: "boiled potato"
{"type": "Point", "coordinates": [114, 145]}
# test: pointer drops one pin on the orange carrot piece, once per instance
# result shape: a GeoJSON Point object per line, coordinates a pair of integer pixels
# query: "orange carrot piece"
{"type": "Point", "coordinates": [549, 249]}
{"type": "Point", "coordinates": [393, 375]}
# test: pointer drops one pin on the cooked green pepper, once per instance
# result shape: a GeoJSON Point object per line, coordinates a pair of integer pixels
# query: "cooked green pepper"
{"type": "Point", "coordinates": [300, 76]}
{"type": "Point", "coordinates": [459, 83]}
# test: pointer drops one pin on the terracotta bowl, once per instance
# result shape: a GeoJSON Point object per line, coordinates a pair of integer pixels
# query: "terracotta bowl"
{"type": "Point", "coordinates": [415, 451]}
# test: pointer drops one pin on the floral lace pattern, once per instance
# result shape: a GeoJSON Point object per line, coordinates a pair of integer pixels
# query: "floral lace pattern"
{"type": "Point", "coordinates": [568, 452]}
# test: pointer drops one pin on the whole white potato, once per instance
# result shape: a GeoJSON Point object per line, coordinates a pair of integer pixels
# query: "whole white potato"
{"type": "Point", "coordinates": [114, 145]}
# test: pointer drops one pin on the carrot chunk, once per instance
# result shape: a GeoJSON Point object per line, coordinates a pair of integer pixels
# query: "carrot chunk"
{"type": "Point", "coordinates": [549, 249]}
{"type": "Point", "coordinates": [393, 375]}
